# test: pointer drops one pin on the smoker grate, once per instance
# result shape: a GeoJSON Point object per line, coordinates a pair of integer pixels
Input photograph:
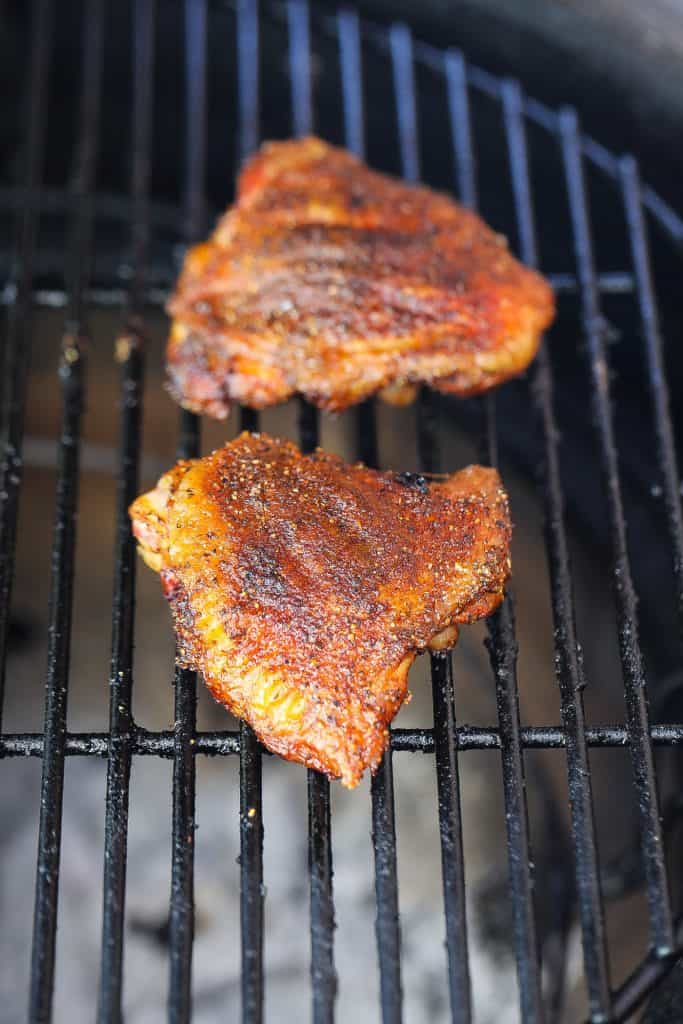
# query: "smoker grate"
{"type": "Point", "coordinates": [125, 739]}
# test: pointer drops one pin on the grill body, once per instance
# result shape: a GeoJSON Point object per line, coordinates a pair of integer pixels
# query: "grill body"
{"type": "Point", "coordinates": [325, 61]}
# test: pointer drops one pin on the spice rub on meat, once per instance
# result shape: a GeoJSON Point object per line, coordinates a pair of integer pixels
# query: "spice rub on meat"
{"type": "Point", "coordinates": [335, 281]}
{"type": "Point", "coordinates": [302, 588]}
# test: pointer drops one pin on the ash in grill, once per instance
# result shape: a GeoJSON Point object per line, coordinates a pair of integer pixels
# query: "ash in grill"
{"type": "Point", "coordinates": [511, 922]}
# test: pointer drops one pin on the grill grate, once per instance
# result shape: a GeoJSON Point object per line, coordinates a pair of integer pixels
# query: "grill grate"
{"type": "Point", "coordinates": [446, 739]}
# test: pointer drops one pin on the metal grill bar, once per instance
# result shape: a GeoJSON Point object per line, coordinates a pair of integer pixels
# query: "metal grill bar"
{"type": "Point", "coordinates": [181, 912]}
{"type": "Point", "coordinates": [61, 591]}
{"type": "Point", "coordinates": [248, 75]}
{"type": "Point", "coordinates": [443, 693]}
{"type": "Point", "coordinates": [502, 645]}
{"type": "Point", "coordinates": [181, 909]}
{"type": "Point", "coordinates": [18, 340]}
{"type": "Point", "coordinates": [642, 981]}
{"type": "Point", "coordinates": [323, 976]}
{"type": "Point", "coordinates": [659, 391]}
{"type": "Point", "coordinates": [403, 67]}
{"type": "Point", "coordinates": [387, 922]}
{"type": "Point", "coordinates": [351, 62]}
{"type": "Point", "coordinates": [72, 379]}
{"type": "Point", "coordinates": [450, 832]}
{"type": "Point", "coordinates": [299, 49]}
{"type": "Point", "coordinates": [460, 126]}
{"type": "Point", "coordinates": [503, 652]}
{"type": "Point", "coordinates": [251, 804]}
{"type": "Point", "coordinates": [129, 351]}
{"type": "Point", "coordinates": [224, 743]}
{"type": "Point", "coordinates": [445, 742]}
{"type": "Point", "coordinates": [569, 668]}
{"type": "Point", "coordinates": [251, 876]}
{"type": "Point", "coordinates": [661, 927]}
{"type": "Point", "coordinates": [298, 20]}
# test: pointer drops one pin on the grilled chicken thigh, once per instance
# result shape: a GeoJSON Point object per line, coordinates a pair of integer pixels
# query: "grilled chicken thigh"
{"type": "Point", "coordinates": [329, 279]}
{"type": "Point", "coordinates": [302, 588]}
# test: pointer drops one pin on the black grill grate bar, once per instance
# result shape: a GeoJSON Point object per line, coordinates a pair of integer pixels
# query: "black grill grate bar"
{"type": "Point", "coordinates": [251, 875]}
{"type": "Point", "coordinates": [249, 419]}
{"type": "Point", "coordinates": [403, 68]}
{"type": "Point", "coordinates": [84, 165]}
{"type": "Point", "coordinates": [502, 643]}
{"type": "Point", "coordinates": [226, 742]}
{"type": "Point", "coordinates": [251, 803]}
{"type": "Point", "coordinates": [387, 922]}
{"type": "Point", "coordinates": [461, 129]}
{"type": "Point", "coordinates": [643, 980]}
{"type": "Point", "coordinates": [18, 337]}
{"type": "Point", "coordinates": [503, 652]}
{"type": "Point", "coordinates": [323, 975]}
{"type": "Point", "coordinates": [181, 909]}
{"type": "Point", "coordinates": [445, 742]}
{"type": "Point", "coordinates": [143, 89]}
{"type": "Point", "coordinates": [502, 646]}
{"type": "Point", "coordinates": [351, 63]}
{"type": "Point", "coordinates": [661, 928]}
{"type": "Point", "coordinates": [366, 433]}
{"type": "Point", "coordinates": [196, 119]}
{"type": "Point", "coordinates": [248, 76]}
{"type": "Point", "coordinates": [666, 446]}
{"type": "Point", "coordinates": [181, 912]}
{"type": "Point", "coordinates": [447, 776]}
{"type": "Point", "coordinates": [72, 380]}
{"type": "Point", "coordinates": [568, 663]}
{"type": "Point", "coordinates": [309, 426]}
{"type": "Point", "coordinates": [450, 833]}
{"type": "Point", "coordinates": [129, 352]}
{"type": "Point", "coordinates": [298, 22]}
{"type": "Point", "coordinates": [53, 748]}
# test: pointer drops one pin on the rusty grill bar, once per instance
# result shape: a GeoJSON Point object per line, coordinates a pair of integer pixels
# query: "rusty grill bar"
{"type": "Point", "coordinates": [446, 739]}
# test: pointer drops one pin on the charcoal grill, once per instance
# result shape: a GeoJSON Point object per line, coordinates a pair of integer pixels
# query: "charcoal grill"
{"type": "Point", "coordinates": [310, 39]}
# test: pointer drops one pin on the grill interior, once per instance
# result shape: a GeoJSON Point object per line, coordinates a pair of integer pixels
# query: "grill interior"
{"type": "Point", "coordinates": [100, 241]}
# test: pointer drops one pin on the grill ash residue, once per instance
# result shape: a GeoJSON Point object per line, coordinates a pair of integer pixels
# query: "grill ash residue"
{"type": "Point", "coordinates": [413, 480]}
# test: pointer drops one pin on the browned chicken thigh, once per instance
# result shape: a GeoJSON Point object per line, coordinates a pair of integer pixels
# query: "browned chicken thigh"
{"type": "Point", "coordinates": [302, 588]}
{"type": "Point", "coordinates": [329, 279]}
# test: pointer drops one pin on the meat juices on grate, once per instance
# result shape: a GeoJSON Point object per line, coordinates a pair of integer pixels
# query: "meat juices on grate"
{"type": "Point", "coordinates": [332, 280]}
{"type": "Point", "coordinates": [302, 588]}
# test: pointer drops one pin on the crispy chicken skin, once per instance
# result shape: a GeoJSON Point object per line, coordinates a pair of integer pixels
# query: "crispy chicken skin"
{"type": "Point", "coordinates": [329, 279]}
{"type": "Point", "coordinates": [302, 588]}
